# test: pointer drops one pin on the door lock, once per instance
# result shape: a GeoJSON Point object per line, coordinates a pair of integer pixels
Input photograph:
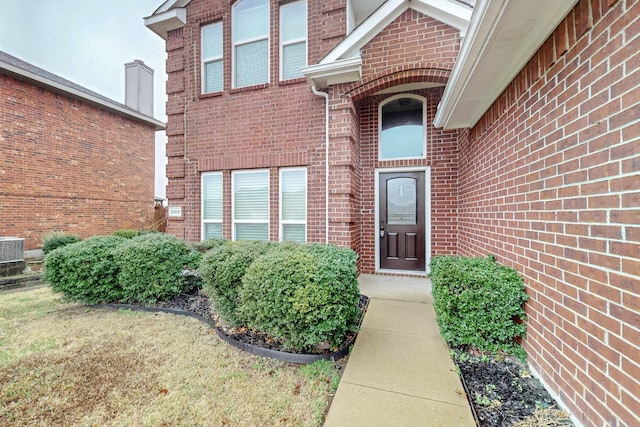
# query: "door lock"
{"type": "Point", "coordinates": [382, 231]}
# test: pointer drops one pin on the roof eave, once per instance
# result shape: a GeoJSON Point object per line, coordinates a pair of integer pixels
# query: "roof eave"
{"type": "Point", "coordinates": [336, 72]}
{"type": "Point", "coordinates": [163, 22]}
{"type": "Point", "coordinates": [502, 37]}
{"type": "Point", "coordinates": [445, 11]}
{"type": "Point", "coordinates": [40, 81]}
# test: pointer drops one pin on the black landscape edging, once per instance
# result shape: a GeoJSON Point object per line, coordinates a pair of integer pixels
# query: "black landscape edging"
{"type": "Point", "coordinates": [249, 348]}
{"type": "Point", "coordinates": [466, 392]}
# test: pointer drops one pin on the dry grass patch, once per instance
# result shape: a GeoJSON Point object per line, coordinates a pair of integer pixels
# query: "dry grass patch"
{"type": "Point", "coordinates": [64, 364]}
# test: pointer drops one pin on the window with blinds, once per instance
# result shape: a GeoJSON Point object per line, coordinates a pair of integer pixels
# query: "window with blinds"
{"type": "Point", "coordinates": [211, 205]}
{"type": "Point", "coordinates": [293, 39]}
{"type": "Point", "coordinates": [250, 191]}
{"type": "Point", "coordinates": [250, 35]}
{"type": "Point", "coordinates": [212, 64]}
{"type": "Point", "coordinates": [293, 204]}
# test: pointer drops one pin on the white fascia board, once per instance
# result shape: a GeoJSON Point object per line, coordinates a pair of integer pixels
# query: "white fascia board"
{"type": "Point", "coordinates": [341, 71]}
{"type": "Point", "coordinates": [484, 68]}
{"type": "Point", "coordinates": [445, 11]}
{"type": "Point", "coordinates": [169, 4]}
{"type": "Point", "coordinates": [452, 14]}
{"type": "Point", "coordinates": [57, 87]}
{"type": "Point", "coordinates": [164, 22]}
{"type": "Point", "coordinates": [360, 36]}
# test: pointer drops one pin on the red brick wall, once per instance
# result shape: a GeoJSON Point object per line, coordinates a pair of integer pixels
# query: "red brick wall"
{"type": "Point", "coordinates": [550, 184]}
{"type": "Point", "coordinates": [68, 166]}
{"type": "Point", "coordinates": [281, 124]}
{"type": "Point", "coordinates": [274, 125]}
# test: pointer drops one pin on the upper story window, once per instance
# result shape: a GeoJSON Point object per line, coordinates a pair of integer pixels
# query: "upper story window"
{"type": "Point", "coordinates": [250, 36]}
{"type": "Point", "coordinates": [402, 128]}
{"type": "Point", "coordinates": [212, 65]}
{"type": "Point", "coordinates": [293, 39]}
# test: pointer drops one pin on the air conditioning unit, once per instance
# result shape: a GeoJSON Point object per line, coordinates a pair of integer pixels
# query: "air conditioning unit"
{"type": "Point", "coordinates": [11, 249]}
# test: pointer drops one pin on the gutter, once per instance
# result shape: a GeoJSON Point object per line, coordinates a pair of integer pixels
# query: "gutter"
{"type": "Point", "coordinates": [325, 95]}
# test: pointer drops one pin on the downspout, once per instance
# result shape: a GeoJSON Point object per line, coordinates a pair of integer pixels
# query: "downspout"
{"type": "Point", "coordinates": [325, 95]}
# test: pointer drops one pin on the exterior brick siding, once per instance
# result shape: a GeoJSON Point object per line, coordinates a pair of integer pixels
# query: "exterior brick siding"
{"type": "Point", "coordinates": [69, 166]}
{"type": "Point", "coordinates": [550, 184]}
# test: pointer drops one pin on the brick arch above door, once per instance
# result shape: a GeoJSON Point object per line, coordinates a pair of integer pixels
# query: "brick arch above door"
{"type": "Point", "coordinates": [396, 76]}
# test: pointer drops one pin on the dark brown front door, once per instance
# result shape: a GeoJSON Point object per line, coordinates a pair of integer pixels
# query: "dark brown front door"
{"type": "Point", "coordinates": [402, 221]}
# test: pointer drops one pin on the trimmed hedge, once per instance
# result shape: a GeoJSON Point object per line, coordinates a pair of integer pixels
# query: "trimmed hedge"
{"type": "Point", "coordinates": [222, 269]}
{"type": "Point", "coordinates": [302, 295]}
{"type": "Point", "coordinates": [85, 271]}
{"type": "Point", "coordinates": [151, 267]}
{"type": "Point", "coordinates": [57, 240]}
{"type": "Point", "coordinates": [479, 303]}
{"type": "Point", "coordinates": [209, 244]}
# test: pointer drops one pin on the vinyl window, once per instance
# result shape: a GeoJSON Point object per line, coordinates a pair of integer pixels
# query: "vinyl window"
{"type": "Point", "coordinates": [250, 35]}
{"type": "Point", "coordinates": [250, 202]}
{"type": "Point", "coordinates": [211, 205]}
{"type": "Point", "coordinates": [212, 55]}
{"type": "Point", "coordinates": [293, 39]}
{"type": "Point", "coordinates": [293, 204]}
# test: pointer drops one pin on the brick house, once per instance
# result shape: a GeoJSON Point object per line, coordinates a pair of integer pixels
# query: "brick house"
{"type": "Point", "coordinates": [405, 129]}
{"type": "Point", "coordinates": [73, 160]}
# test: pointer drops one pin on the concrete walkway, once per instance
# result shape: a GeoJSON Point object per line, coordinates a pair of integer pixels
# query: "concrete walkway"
{"type": "Point", "coordinates": [399, 372]}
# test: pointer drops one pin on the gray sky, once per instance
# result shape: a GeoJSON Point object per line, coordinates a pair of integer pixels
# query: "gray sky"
{"type": "Point", "coordinates": [88, 42]}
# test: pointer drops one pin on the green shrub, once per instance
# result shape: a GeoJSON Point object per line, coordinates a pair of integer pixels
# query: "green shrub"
{"type": "Point", "coordinates": [479, 303]}
{"type": "Point", "coordinates": [85, 271]}
{"type": "Point", "coordinates": [151, 267]}
{"type": "Point", "coordinates": [127, 233]}
{"type": "Point", "coordinates": [302, 295]}
{"type": "Point", "coordinates": [209, 244]}
{"type": "Point", "coordinates": [222, 269]}
{"type": "Point", "coordinates": [58, 239]}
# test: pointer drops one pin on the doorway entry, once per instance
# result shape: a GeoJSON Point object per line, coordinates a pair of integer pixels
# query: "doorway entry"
{"type": "Point", "coordinates": [402, 220]}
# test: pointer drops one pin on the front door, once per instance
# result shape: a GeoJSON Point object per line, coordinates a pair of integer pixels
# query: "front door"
{"type": "Point", "coordinates": [401, 225]}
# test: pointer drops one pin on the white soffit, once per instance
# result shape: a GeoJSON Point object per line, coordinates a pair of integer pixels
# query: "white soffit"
{"type": "Point", "coordinates": [503, 35]}
{"type": "Point", "coordinates": [163, 22]}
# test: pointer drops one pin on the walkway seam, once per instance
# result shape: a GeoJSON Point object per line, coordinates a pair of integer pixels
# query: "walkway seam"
{"type": "Point", "coordinates": [404, 394]}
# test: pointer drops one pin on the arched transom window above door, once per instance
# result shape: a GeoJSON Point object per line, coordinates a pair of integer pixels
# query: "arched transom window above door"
{"type": "Point", "coordinates": [402, 128]}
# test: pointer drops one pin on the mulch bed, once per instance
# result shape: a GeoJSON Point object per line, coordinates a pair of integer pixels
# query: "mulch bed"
{"type": "Point", "coordinates": [199, 303]}
{"type": "Point", "coordinates": [502, 391]}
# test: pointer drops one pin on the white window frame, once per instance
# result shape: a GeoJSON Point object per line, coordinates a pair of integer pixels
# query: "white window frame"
{"type": "Point", "coordinates": [235, 43]}
{"type": "Point", "coordinates": [306, 200]}
{"type": "Point", "coordinates": [283, 44]}
{"type": "Point", "coordinates": [423, 100]}
{"type": "Point", "coordinates": [204, 221]}
{"type": "Point", "coordinates": [234, 221]}
{"type": "Point", "coordinates": [212, 59]}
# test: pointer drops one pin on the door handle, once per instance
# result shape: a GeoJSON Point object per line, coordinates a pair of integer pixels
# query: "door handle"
{"type": "Point", "coordinates": [381, 231]}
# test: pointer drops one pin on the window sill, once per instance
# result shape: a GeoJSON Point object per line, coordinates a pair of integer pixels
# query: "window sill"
{"type": "Point", "coordinates": [297, 80]}
{"type": "Point", "coordinates": [249, 88]}
{"type": "Point", "coordinates": [210, 95]}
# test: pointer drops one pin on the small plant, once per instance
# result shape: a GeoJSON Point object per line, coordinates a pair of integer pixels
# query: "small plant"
{"type": "Point", "coordinates": [58, 239]}
{"type": "Point", "coordinates": [85, 271]}
{"type": "Point", "coordinates": [479, 303]}
{"type": "Point", "coordinates": [152, 267]}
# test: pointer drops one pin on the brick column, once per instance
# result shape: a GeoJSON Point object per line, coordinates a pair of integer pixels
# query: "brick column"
{"type": "Point", "coordinates": [344, 171]}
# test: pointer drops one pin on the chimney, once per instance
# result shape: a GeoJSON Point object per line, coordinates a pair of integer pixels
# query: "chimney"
{"type": "Point", "coordinates": [138, 82]}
